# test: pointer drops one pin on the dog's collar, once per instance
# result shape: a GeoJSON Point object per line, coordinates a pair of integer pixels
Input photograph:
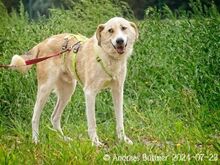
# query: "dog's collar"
{"type": "Point", "coordinates": [100, 61]}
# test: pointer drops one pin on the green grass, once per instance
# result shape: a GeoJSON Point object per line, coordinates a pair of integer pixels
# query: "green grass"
{"type": "Point", "coordinates": [172, 93]}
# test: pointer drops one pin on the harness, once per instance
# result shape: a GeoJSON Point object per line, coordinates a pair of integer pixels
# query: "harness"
{"type": "Point", "coordinates": [82, 39]}
{"type": "Point", "coordinates": [65, 49]}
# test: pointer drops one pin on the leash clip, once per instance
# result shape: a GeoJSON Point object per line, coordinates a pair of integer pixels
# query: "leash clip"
{"type": "Point", "coordinates": [76, 47]}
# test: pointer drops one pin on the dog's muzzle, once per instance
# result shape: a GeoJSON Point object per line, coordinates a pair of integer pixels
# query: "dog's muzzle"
{"type": "Point", "coordinates": [120, 46]}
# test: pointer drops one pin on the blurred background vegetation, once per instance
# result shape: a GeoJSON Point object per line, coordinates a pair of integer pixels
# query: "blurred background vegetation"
{"type": "Point", "coordinates": [36, 8]}
{"type": "Point", "coordinates": [172, 91]}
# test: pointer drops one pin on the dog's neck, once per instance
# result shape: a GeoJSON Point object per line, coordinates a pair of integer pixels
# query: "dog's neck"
{"type": "Point", "coordinates": [114, 65]}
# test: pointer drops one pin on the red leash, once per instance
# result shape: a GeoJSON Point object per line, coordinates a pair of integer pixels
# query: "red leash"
{"type": "Point", "coordinates": [74, 47]}
{"type": "Point", "coordinates": [36, 60]}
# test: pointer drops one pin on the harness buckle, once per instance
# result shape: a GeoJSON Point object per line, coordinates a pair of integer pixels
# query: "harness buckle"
{"type": "Point", "coordinates": [98, 59]}
{"type": "Point", "coordinates": [65, 44]}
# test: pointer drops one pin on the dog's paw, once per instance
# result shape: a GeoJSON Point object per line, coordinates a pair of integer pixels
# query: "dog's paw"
{"type": "Point", "coordinates": [127, 140]}
{"type": "Point", "coordinates": [97, 144]}
{"type": "Point", "coordinates": [65, 138]}
{"type": "Point", "coordinates": [35, 140]}
{"type": "Point", "coordinates": [35, 137]}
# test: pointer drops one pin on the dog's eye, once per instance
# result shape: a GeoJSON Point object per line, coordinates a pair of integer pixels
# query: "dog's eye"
{"type": "Point", "coordinates": [110, 30]}
{"type": "Point", "coordinates": [123, 28]}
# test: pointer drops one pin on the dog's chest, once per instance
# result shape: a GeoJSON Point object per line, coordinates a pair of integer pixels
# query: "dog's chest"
{"type": "Point", "coordinates": [117, 72]}
{"type": "Point", "coordinates": [115, 68]}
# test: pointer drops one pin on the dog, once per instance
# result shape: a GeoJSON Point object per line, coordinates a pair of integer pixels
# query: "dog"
{"type": "Point", "coordinates": [101, 62]}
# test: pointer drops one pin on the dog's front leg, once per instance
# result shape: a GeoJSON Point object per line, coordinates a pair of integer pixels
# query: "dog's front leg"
{"type": "Point", "coordinates": [90, 96]}
{"type": "Point", "coordinates": [117, 94]}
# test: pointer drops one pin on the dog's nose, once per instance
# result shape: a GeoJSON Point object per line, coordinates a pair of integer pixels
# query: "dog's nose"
{"type": "Point", "coordinates": [119, 41]}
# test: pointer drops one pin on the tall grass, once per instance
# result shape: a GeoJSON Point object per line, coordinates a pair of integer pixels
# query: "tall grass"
{"type": "Point", "coordinates": [172, 91]}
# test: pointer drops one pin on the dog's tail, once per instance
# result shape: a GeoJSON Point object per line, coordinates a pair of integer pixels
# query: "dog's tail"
{"type": "Point", "coordinates": [18, 62]}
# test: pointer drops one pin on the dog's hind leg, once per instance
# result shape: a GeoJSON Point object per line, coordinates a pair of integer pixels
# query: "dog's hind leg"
{"type": "Point", "coordinates": [42, 96]}
{"type": "Point", "coordinates": [64, 91]}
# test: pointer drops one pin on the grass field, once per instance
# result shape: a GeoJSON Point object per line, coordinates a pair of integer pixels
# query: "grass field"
{"type": "Point", "coordinates": [172, 93]}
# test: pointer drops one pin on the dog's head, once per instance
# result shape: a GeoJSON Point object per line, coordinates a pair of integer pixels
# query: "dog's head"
{"type": "Point", "coordinates": [117, 36]}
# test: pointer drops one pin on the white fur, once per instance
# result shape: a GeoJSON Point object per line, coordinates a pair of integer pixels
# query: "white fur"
{"type": "Point", "coordinates": [18, 62]}
{"type": "Point", "coordinates": [52, 75]}
{"type": "Point", "coordinates": [119, 35]}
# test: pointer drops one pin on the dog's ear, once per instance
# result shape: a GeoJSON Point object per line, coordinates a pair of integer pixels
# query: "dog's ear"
{"type": "Point", "coordinates": [98, 33]}
{"type": "Point", "coordinates": [135, 28]}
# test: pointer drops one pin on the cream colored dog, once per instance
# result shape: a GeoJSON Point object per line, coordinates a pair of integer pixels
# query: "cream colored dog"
{"type": "Point", "coordinates": [101, 62]}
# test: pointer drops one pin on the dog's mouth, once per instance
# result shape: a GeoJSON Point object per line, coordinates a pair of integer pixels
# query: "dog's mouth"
{"type": "Point", "coordinates": [120, 48]}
